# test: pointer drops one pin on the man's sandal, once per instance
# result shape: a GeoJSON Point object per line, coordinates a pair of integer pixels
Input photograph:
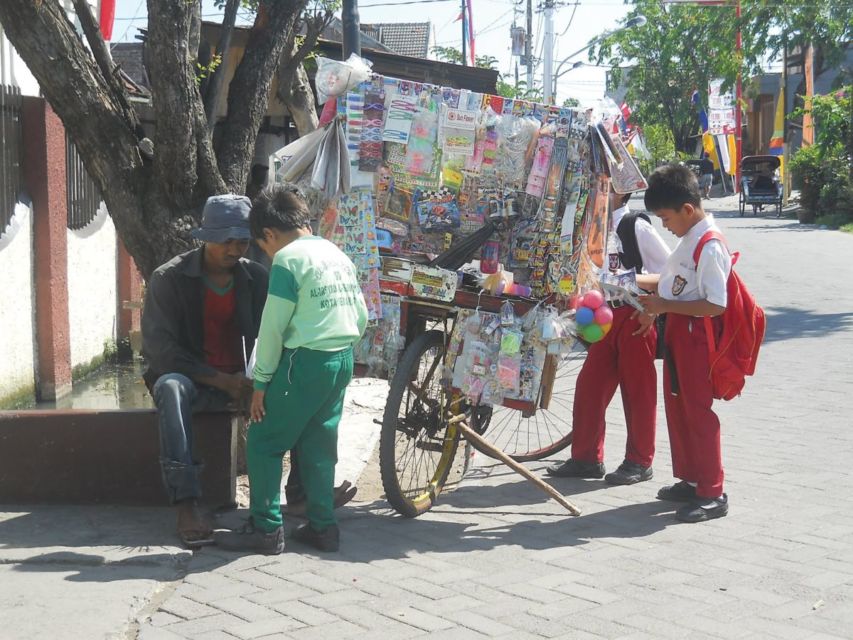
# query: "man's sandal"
{"type": "Point", "coordinates": [195, 539]}
{"type": "Point", "coordinates": [343, 494]}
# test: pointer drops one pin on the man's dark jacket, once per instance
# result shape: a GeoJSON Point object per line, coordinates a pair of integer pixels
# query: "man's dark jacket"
{"type": "Point", "coordinates": [172, 319]}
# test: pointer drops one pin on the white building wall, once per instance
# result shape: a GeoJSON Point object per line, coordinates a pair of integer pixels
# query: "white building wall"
{"type": "Point", "coordinates": [92, 288]}
{"type": "Point", "coordinates": [16, 311]}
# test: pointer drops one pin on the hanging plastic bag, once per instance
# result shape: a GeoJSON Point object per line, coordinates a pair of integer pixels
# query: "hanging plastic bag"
{"type": "Point", "coordinates": [331, 173]}
{"type": "Point", "coordinates": [297, 157]}
{"type": "Point", "coordinates": [334, 78]}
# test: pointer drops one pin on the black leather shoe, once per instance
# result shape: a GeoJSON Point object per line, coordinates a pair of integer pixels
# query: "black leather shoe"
{"type": "Point", "coordinates": [572, 468]}
{"type": "Point", "coordinates": [248, 538]}
{"type": "Point", "coordinates": [629, 473]}
{"type": "Point", "coordinates": [329, 539]}
{"type": "Point", "coordinates": [701, 509]}
{"type": "Point", "coordinates": [678, 492]}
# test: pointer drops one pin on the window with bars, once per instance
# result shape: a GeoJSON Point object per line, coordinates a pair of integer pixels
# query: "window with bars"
{"type": "Point", "coordinates": [10, 153]}
{"type": "Point", "coordinates": [82, 195]}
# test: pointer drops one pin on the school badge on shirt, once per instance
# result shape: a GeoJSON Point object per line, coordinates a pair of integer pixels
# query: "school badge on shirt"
{"type": "Point", "coordinates": [678, 285]}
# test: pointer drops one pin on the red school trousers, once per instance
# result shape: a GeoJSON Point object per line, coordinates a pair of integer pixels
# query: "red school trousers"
{"type": "Point", "coordinates": [627, 361]}
{"type": "Point", "coordinates": [694, 428]}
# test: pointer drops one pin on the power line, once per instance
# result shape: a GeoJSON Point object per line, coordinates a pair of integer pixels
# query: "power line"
{"type": "Point", "coordinates": [135, 13]}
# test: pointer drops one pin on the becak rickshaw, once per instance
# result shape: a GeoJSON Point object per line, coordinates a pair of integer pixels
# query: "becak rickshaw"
{"type": "Point", "coordinates": [760, 183]}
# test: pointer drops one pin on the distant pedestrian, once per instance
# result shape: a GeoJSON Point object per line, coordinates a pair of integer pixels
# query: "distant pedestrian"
{"type": "Point", "coordinates": [687, 291]}
{"type": "Point", "coordinates": [314, 313]}
{"type": "Point", "coordinates": [706, 175]}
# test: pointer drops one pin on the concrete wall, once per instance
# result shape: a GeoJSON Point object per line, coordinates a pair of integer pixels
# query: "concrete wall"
{"type": "Point", "coordinates": [13, 71]}
{"type": "Point", "coordinates": [92, 288]}
{"type": "Point", "coordinates": [16, 312]}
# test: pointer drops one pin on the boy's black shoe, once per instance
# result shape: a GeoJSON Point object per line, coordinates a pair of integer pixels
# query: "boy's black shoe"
{"type": "Point", "coordinates": [629, 473]}
{"type": "Point", "coordinates": [572, 468]}
{"type": "Point", "coordinates": [678, 492]}
{"type": "Point", "coordinates": [329, 539]}
{"type": "Point", "coordinates": [701, 509]}
{"type": "Point", "coordinates": [248, 538]}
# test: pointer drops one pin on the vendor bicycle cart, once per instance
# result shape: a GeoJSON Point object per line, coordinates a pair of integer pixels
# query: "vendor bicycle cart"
{"type": "Point", "coordinates": [438, 179]}
{"type": "Point", "coordinates": [419, 440]}
{"type": "Point", "coordinates": [760, 184]}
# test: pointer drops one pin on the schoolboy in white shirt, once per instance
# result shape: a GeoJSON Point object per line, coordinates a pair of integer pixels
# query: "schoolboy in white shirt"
{"type": "Point", "coordinates": [624, 358]}
{"type": "Point", "coordinates": [685, 293]}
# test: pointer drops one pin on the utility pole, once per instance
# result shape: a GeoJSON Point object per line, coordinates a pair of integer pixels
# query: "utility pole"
{"type": "Point", "coordinates": [351, 31]}
{"type": "Point", "coordinates": [464, 35]}
{"type": "Point", "coordinates": [528, 45]}
{"type": "Point", "coordinates": [738, 107]}
{"type": "Point", "coordinates": [548, 54]}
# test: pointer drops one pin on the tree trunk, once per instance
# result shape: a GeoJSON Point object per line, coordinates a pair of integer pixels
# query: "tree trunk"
{"type": "Point", "coordinates": [249, 92]}
{"type": "Point", "coordinates": [223, 50]}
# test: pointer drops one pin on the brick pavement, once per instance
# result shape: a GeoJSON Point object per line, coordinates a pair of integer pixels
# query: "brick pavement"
{"type": "Point", "coordinates": [494, 559]}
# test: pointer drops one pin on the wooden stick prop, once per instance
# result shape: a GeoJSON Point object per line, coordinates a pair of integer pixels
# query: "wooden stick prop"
{"type": "Point", "coordinates": [472, 435]}
{"type": "Point", "coordinates": [549, 374]}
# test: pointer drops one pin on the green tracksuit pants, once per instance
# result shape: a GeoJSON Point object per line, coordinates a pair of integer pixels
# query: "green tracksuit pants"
{"type": "Point", "coordinates": [303, 405]}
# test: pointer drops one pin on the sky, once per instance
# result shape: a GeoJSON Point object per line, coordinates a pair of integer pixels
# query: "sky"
{"type": "Point", "coordinates": [574, 26]}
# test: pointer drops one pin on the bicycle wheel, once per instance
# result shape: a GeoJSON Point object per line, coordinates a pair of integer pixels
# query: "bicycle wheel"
{"type": "Point", "coordinates": [416, 445]}
{"type": "Point", "coordinates": [542, 434]}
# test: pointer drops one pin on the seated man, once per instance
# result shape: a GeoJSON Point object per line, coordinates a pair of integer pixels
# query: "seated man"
{"type": "Point", "coordinates": [201, 317]}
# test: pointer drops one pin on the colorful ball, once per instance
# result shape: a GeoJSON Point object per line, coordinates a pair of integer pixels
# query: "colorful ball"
{"type": "Point", "coordinates": [607, 327]}
{"type": "Point", "coordinates": [593, 299]}
{"type": "Point", "coordinates": [603, 315]}
{"type": "Point", "coordinates": [584, 316]}
{"type": "Point", "coordinates": [592, 333]}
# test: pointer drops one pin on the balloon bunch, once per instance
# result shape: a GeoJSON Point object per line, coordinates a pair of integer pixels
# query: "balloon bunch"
{"type": "Point", "coordinates": [592, 316]}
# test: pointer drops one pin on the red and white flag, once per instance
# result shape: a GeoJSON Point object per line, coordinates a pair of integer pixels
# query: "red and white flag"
{"type": "Point", "coordinates": [107, 18]}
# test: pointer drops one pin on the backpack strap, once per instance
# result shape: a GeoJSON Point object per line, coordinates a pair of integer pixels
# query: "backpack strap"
{"type": "Point", "coordinates": [630, 255]}
{"type": "Point", "coordinates": [707, 237]}
{"type": "Point", "coordinates": [697, 252]}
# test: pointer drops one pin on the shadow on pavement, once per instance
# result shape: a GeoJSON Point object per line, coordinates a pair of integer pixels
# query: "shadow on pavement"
{"type": "Point", "coordinates": [787, 323]}
{"type": "Point", "coordinates": [92, 544]}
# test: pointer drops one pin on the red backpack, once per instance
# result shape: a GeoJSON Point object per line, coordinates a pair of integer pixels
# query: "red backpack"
{"type": "Point", "coordinates": [733, 346]}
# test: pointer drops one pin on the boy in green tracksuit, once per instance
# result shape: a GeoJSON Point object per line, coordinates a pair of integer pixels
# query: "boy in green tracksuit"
{"type": "Point", "coordinates": [314, 313]}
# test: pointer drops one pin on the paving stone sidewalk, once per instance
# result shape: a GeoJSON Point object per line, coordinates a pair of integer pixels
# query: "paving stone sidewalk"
{"type": "Point", "coordinates": [495, 559]}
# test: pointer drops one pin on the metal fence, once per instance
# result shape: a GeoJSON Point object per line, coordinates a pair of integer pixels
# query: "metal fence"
{"type": "Point", "coordinates": [10, 153]}
{"type": "Point", "coordinates": [83, 197]}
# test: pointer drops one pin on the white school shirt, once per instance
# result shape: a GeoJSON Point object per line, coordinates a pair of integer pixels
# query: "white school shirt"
{"type": "Point", "coordinates": [681, 280]}
{"type": "Point", "coordinates": [653, 249]}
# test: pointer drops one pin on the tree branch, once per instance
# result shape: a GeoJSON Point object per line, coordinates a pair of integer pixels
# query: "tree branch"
{"type": "Point", "coordinates": [223, 49]}
{"type": "Point", "coordinates": [248, 93]}
{"type": "Point", "coordinates": [84, 98]}
{"type": "Point", "coordinates": [102, 57]}
{"type": "Point", "coordinates": [294, 89]}
{"type": "Point", "coordinates": [178, 147]}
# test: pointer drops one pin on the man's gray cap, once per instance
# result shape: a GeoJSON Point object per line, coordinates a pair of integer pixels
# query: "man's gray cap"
{"type": "Point", "coordinates": [225, 217]}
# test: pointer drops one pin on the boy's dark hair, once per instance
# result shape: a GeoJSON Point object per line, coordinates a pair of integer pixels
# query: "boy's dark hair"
{"type": "Point", "coordinates": [671, 187]}
{"type": "Point", "coordinates": [278, 207]}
